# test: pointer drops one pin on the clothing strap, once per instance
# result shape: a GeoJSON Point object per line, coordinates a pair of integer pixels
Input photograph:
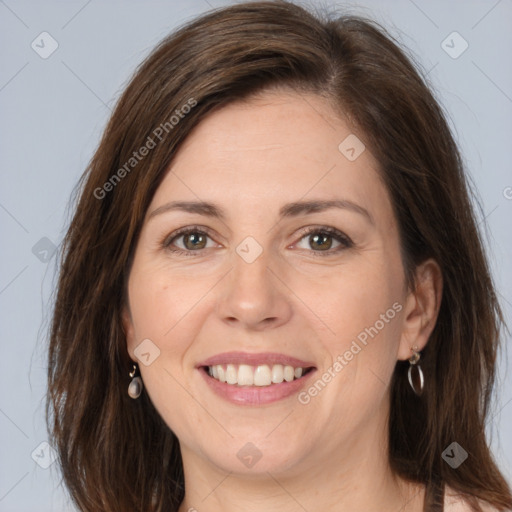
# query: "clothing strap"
{"type": "Point", "coordinates": [434, 497]}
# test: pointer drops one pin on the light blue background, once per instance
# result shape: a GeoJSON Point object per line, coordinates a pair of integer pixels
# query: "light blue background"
{"type": "Point", "coordinates": [53, 112]}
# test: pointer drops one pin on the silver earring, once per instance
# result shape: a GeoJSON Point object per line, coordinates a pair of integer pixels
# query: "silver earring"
{"type": "Point", "coordinates": [415, 375]}
{"type": "Point", "coordinates": [135, 386]}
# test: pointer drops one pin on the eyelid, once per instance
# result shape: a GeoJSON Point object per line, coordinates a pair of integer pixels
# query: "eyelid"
{"type": "Point", "coordinates": [185, 230]}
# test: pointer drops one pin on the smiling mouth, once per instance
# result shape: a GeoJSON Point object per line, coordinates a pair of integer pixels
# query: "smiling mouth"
{"type": "Point", "coordinates": [258, 376]}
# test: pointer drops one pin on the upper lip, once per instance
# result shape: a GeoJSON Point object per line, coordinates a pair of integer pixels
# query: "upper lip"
{"type": "Point", "coordinates": [254, 359]}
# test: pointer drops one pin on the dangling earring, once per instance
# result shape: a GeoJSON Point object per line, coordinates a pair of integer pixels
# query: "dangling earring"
{"type": "Point", "coordinates": [416, 381]}
{"type": "Point", "coordinates": [135, 386]}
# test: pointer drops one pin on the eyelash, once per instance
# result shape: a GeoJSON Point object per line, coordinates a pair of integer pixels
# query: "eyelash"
{"type": "Point", "coordinates": [344, 240]}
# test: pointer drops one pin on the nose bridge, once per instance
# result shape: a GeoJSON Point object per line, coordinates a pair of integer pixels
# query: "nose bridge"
{"type": "Point", "coordinates": [253, 295]}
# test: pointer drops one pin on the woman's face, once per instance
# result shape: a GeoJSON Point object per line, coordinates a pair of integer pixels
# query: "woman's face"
{"type": "Point", "coordinates": [258, 286]}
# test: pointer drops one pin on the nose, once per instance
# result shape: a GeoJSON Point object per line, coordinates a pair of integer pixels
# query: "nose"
{"type": "Point", "coordinates": [254, 295]}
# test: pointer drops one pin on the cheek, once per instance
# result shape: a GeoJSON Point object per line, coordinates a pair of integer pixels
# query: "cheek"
{"type": "Point", "coordinates": [362, 298]}
{"type": "Point", "coordinates": [162, 307]}
{"type": "Point", "coordinates": [365, 315]}
{"type": "Point", "coordinates": [160, 299]}
{"type": "Point", "coordinates": [364, 312]}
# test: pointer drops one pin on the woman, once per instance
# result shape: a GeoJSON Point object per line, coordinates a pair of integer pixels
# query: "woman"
{"type": "Point", "coordinates": [273, 292]}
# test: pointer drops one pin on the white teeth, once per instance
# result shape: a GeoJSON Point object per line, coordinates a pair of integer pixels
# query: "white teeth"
{"type": "Point", "coordinates": [261, 375]}
{"type": "Point", "coordinates": [231, 374]}
{"type": "Point", "coordinates": [245, 375]}
{"type": "Point", "coordinates": [288, 373]}
{"type": "Point", "coordinates": [277, 374]}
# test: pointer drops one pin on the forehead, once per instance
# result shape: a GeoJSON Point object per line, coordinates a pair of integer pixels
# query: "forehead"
{"type": "Point", "coordinates": [276, 147]}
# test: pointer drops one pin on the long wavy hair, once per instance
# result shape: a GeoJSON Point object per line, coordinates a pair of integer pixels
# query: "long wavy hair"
{"type": "Point", "coordinates": [117, 454]}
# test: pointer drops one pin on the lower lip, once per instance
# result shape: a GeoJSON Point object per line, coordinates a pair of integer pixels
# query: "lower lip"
{"type": "Point", "coordinates": [254, 395]}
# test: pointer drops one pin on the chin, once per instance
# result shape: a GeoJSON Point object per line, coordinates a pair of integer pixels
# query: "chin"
{"type": "Point", "coordinates": [257, 458]}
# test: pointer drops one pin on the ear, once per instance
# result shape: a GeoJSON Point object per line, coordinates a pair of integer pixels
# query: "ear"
{"type": "Point", "coordinates": [129, 331]}
{"type": "Point", "coordinates": [421, 308]}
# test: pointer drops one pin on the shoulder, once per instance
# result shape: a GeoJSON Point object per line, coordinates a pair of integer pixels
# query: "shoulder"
{"type": "Point", "coordinates": [455, 502]}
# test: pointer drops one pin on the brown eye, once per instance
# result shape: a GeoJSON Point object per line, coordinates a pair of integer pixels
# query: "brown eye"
{"type": "Point", "coordinates": [320, 240]}
{"type": "Point", "coordinates": [187, 241]}
{"type": "Point", "coordinates": [194, 240]}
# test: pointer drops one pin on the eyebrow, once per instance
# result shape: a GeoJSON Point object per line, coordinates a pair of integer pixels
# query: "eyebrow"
{"type": "Point", "coordinates": [287, 211]}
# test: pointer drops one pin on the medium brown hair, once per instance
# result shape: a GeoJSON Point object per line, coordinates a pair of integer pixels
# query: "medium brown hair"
{"type": "Point", "coordinates": [117, 454]}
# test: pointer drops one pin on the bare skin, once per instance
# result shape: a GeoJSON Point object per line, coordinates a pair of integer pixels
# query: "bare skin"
{"type": "Point", "coordinates": [303, 296]}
